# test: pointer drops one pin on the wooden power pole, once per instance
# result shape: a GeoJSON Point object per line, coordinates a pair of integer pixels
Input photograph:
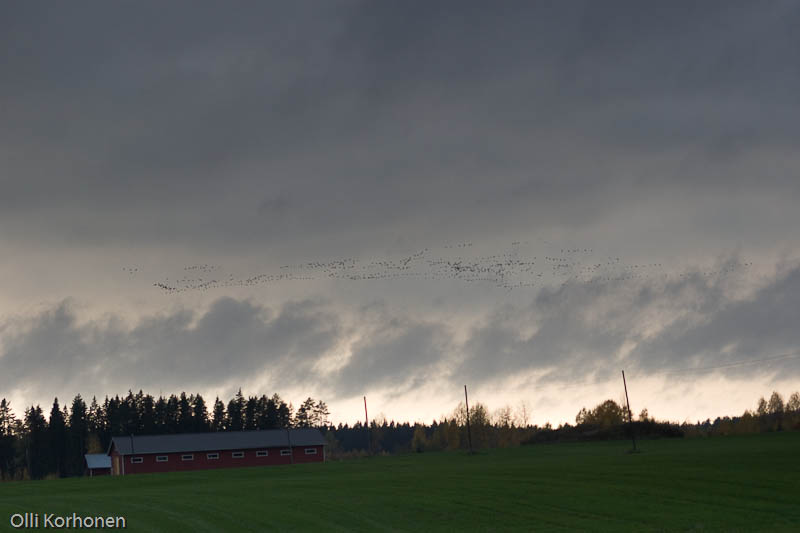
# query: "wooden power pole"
{"type": "Point", "coordinates": [366, 426]}
{"type": "Point", "coordinates": [469, 433]}
{"type": "Point", "coordinates": [630, 416]}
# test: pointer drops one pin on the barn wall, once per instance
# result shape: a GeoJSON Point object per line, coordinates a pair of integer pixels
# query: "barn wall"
{"type": "Point", "coordinates": [226, 460]}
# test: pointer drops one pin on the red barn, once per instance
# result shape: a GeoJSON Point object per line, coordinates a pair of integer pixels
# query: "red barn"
{"type": "Point", "coordinates": [137, 454]}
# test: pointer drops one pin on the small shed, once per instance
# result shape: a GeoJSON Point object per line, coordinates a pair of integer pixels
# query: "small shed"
{"type": "Point", "coordinates": [98, 464]}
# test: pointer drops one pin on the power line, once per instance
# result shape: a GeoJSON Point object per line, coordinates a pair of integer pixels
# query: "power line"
{"type": "Point", "coordinates": [567, 384]}
{"type": "Point", "coordinates": [782, 357]}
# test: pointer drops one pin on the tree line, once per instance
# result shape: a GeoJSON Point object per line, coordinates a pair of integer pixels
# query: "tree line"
{"type": "Point", "coordinates": [607, 420]}
{"type": "Point", "coordinates": [610, 420]}
{"type": "Point", "coordinates": [775, 414]}
{"type": "Point", "coordinates": [504, 428]}
{"type": "Point", "coordinates": [37, 446]}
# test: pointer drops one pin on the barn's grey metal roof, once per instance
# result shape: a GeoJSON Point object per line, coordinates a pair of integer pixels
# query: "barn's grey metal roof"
{"type": "Point", "coordinates": [222, 440]}
{"type": "Point", "coordinates": [97, 460]}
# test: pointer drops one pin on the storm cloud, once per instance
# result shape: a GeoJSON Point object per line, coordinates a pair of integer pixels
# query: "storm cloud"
{"type": "Point", "coordinates": [141, 139]}
{"type": "Point", "coordinates": [229, 343]}
{"type": "Point", "coordinates": [200, 126]}
{"type": "Point", "coordinates": [566, 335]}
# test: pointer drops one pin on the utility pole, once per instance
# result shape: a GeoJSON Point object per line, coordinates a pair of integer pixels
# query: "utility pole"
{"type": "Point", "coordinates": [366, 426]}
{"type": "Point", "coordinates": [469, 433]}
{"type": "Point", "coordinates": [630, 416]}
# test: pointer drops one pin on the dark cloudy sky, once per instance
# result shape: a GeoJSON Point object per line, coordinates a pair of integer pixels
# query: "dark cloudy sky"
{"type": "Point", "coordinates": [588, 186]}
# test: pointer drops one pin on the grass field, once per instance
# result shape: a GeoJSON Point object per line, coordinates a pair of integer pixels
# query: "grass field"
{"type": "Point", "coordinates": [746, 483]}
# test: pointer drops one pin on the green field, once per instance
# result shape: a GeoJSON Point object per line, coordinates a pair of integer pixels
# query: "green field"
{"type": "Point", "coordinates": [746, 483]}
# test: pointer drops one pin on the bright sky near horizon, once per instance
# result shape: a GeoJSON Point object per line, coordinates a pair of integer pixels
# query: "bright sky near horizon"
{"type": "Point", "coordinates": [348, 198]}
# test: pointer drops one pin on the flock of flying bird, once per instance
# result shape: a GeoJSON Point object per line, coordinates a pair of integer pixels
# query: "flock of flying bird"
{"type": "Point", "coordinates": [507, 270]}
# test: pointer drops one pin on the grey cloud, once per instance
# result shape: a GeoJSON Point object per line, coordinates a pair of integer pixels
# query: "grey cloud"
{"type": "Point", "coordinates": [579, 329]}
{"type": "Point", "coordinates": [393, 354]}
{"type": "Point", "coordinates": [233, 340]}
{"type": "Point", "coordinates": [563, 338]}
{"type": "Point", "coordinates": [727, 331]}
{"type": "Point", "coordinates": [143, 123]}
{"type": "Point", "coordinates": [572, 332]}
{"type": "Point", "coordinates": [278, 134]}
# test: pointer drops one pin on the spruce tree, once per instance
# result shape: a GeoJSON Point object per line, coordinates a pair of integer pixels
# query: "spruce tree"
{"type": "Point", "coordinates": [148, 415]}
{"type": "Point", "coordinates": [35, 443]}
{"type": "Point", "coordinates": [184, 414]}
{"type": "Point", "coordinates": [7, 439]}
{"type": "Point", "coordinates": [218, 420]}
{"type": "Point", "coordinates": [199, 415]}
{"type": "Point", "coordinates": [250, 410]}
{"type": "Point", "coordinates": [56, 440]}
{"type": "Point", "coordinates": [77, 437]}
{"type": "Point", "coordinates": [236, 412]}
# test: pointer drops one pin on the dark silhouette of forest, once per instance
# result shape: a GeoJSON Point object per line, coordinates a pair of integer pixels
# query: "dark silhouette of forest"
{"type": "Point", "coordinates": [36, 446]}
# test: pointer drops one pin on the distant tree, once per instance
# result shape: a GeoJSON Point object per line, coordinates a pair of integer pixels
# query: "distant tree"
{"type": "Point", "coordinates": [377, 433]}
{"type": "Point", "coordinates": [480, 424]}
{"type": "Point", "coordinates": [6, 417]}
{"type": "Point", "coordinates": [793, 404]}
{"type": "Point", "coordinates": [218, 418]}
{"type": "Point", "coordinates": [522, 414]}
{"type": "Point", "coordinates": [478, 421]}
{"type": "Point", "coordinates": [250, 413]}
{"type": "Point", "coordinates": [747, 423]}
{"type": "Point", "coordinates": [110, 419]}
{"type": "Point", "coordinates": [453, 436]}
{"type": "Point", "coordinates": [761, 410]}
{"type": "Point", "coordinates": [137, 411]}
{"type": "Point", "coordinates": [460, 414]}
{"type": "Point", "coordinates": [236, 412]}
{"type": "Point", "coordinates": [78, 434]}
{"type": "Point", "coordinates": [503, 417]}
{"type": "Point", "coordinates": [262, 406]}
{"type": "Point", "coordinates": [285, 414]}
{"type": "Point", "coordinates": [419, 442]}
{"type": "Point", "coordinates": [95, 417]}
{"type": "Point", "coordinates": [122, 420]}
{"type": "Point", "coordinates": [775, 404]}
{"type": "Point", "coordinates": [56, 440]}
{"type": "Point", "coordinates": [607, 414]}
{"type": "Point", "coordinates": [184, 414]}
{"type": "Point", "coordinates": [147, 414]}
{"type": "Point", "coordinates": [199, 415]}
{"type": "Point", "coordinates": [504, 434]}
{"type": "Point", "coordinates": [130, 415]}
{"type": "Point", "coordinates": [321, 414]}
{"type": "Point", "coordinates": [172, 415]}
{"type": "Point", "coordinates": [160, 415]}
{"type": "Point", "coordinates": [7, 440]}
{"type": "Point", "coordinates": [35, 442]}
{"type": "Point", "coordinates": [644, 416]}
{"type": "Point", "coordinates": [332, 443]}
{"type": "Point", "coordinates": [272, 414]}
{"type": "Point", "coordinates": [305, 414]}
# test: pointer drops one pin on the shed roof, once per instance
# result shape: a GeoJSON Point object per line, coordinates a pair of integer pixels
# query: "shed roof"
{"type": "Point", "coordinates": [97, 460]}
{"type": "Point", "coordinates": [222, 440]}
